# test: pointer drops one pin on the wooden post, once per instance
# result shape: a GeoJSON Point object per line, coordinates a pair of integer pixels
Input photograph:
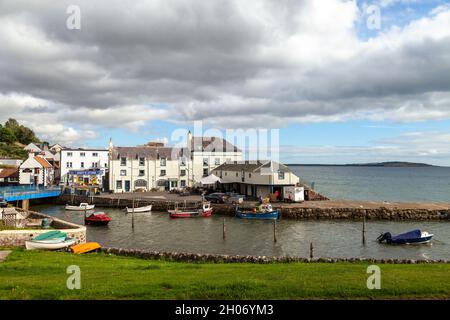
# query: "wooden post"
{"type": "Point", "coordinates": [132, 216]}
{"type": "Point", "coordinates": [224, 230]}
{"type": "Point", "coordinates": [364, 230]}
{"type": "Point", "coordinates": [311, 251]}
{"type": "Point", "coordinates": [274, 231]}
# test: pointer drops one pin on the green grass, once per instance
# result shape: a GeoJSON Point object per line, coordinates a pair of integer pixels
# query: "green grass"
{"type": "Point", "coordinates": [42, 275]}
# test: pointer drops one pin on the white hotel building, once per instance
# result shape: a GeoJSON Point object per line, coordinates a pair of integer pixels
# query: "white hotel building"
{"type": "Point", "coordinates": [83, 166]}
{"type": "Point", "coordinates": [166, 168]}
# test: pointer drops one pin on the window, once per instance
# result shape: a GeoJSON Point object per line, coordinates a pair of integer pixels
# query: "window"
{"type": "Point", "coordinates": [82, 165]}
{"type": "Point", "coordinates": [162, 162]}
{"type": "Point", "coordinates": [249, 175]}
{"type": "Point", "coordinates": [123, 172]}
{"type": "Point", "coordinates": [95, 154]}
{"type": "Point", "coordinates": [280, 175]}
{"type": "Point", "coordinates": [183, 173]}
{"type": "Point", "coordinates": [141, 173]}
{"type": "Point", "coordinates": [205, 161]}
{"type": "Point", "coordinates": [69, 154]}
{"type": "Point", "coordinates": [237, 174]}
{"type": "Point", "coordinates": [217, 161]}
{"type": "Point", "coordinates": [226, 173]}
{"type": "Point", "coordinates": [123, 161]}
{"type": "Point", "coordinates": [142, 161]}
{"type": "Point", "coordinates": [69, 165]}
{"type": "Point", "coordinates": [94, 165]}
{"type": "Point", "coordinates": [174, 184]}
{"type": "Point", "coordinates": [182, 183]}
{"type": "Point", "coordinates": [205, 172]}
{"type": "Point", "coordinates": [106, 165]}
{"type": "Point", "coordinates": [163, 173]}
{"type": "Point", "coordinates": [82, 154]}
{"type": "Point", "coordinates": [119, 184]}
{"type": "Point", "coordinates": [183, 161]}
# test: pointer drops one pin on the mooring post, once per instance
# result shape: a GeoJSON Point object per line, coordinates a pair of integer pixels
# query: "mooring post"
{"type": "Point", "coordinates": [311, 251]}
{"type": "Point", "coordinates": [364, 230]}
{"type": "Point", "coordinates": [224, 229]}
{"type": "Point", "coordinates": [132, 216]}
{"type": "Point", "coordinates": [274, 231]}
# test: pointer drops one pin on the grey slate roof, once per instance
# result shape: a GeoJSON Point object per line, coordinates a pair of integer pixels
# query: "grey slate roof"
{"type": "Point", "coordinates": [251, 166]}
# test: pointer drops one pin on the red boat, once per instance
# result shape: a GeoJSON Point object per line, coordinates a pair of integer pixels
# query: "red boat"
{"type": "Point", "coordinates": [205, 211]}
{"type": "Point", "coordinates": [97, 219]}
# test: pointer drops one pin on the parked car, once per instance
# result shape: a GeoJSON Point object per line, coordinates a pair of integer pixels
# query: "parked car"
{"type": "Point", "coordinates": [216, 197]}
{"type": "Point", "coordinates": [234, 198]}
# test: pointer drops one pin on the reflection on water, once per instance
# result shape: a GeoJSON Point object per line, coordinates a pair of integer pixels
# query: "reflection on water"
{"type": "Point", "coordinates": [156, 231]}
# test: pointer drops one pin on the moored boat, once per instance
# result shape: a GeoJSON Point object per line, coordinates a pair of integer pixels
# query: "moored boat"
{"type": "Point", "coordinates": [262, 212]}
{"type": "Point", "coordinates": [204, 211]}
{"type": "Point", "coordinates": [140, 209]}
{"type": "Point", "coordinates": [411, 237]}
{"type": "Point", "coordinates": [97, 219]}
{"type": "Point", "coordinates": [85, 247]}
{"type": "Point", "coordinates": [82, 207]}
{"type": "Point", "coordinates": [49, 244]}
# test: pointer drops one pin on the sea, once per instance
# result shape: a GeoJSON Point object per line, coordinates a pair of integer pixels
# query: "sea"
{"type": "Point", "coordinates": [402, 184]}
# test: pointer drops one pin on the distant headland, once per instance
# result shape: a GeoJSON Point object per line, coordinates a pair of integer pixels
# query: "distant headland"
{"type": "Point", "coordinates": [396, 164]}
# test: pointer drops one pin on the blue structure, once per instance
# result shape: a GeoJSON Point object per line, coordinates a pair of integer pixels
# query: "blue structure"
{"type": "Point", "coordinates": [18, 193]}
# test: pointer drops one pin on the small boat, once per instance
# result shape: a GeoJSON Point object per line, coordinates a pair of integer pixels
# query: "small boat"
{"type": "Point", "coordinates": [140, 209]}
{"type": "Point", "coordinates": [97, 219]}
{"type": "Point", "coordinates": [263, 212]}
{"type": "Point", "coordinates": [82, 207]}
{"type": "Point", "coordinates": [49, 245]}
{"type": "Point", "coordinates": [411, 237]}
{"type": "Point", "coordinates": [85, 247]}
{"type": "Point", "coordinates": [50, 235]}
{"type": "Point", "coordinates": [205, 211]}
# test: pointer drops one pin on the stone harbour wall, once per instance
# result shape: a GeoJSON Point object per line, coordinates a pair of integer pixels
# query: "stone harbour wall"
{"type": "Point", "coordinates": [221, 258]}
{"type": "Point", "coordinates": [17, 238]}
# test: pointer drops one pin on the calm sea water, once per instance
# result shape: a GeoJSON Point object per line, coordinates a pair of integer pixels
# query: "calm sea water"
{"type": "Point", "coordinates": [157, 231]}
{"type": "Point", "coordinates": [430, 184]}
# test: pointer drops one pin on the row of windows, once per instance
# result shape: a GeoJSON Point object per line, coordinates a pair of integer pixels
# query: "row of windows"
{"type": "Point", "coordinates": [142, 173]}
{"type": "Point", "coordinates": [173, 184]}
{"type": "Point", "coordinates": [82, 165]}
{"type": "Point", "coordinates": [162, 161]}
{"type": "Point", "coordinates": [82, 154]}
{"type": "Point", "coordinates": [280, 174]}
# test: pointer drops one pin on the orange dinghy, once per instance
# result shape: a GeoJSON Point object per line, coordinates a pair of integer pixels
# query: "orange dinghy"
{"type": "Point", "coordinates": [85, 247]}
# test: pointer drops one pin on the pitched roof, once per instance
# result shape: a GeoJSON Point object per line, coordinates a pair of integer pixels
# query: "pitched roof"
{"type": "Point", "coordinates": [151, 153]}
{"type": "Point", "coordinates": [212, 144]}
{"type": "Point", "coordinates": [9, 173]}
{"type": "Point", "coordinates": [44, 163]}
{"type": "Point", "coordinates": [32, 147]}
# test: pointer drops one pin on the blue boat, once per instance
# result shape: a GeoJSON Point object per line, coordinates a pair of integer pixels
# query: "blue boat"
{"type": "Point", "coordinates": [411, 237]}
{"type": "Point", "coordinates": [269, 215]}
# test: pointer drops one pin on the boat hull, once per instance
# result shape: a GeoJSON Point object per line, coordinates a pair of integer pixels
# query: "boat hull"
{"type": "Point", "coordinates": [273, 215]}
{"type": "Point", "coordinates": [42, 245]}
{"type": "Point", "coordinates": [97, 220]}
{"type": "Point", "coordinates": [411, 241]}
{"type": "Point", "coordinates": [190, 214]}
{"type": "Point", "coordinates": [85, 247]}
{"type": "Point", "coordinates": [80, 208]}
{"type": "Point", "coordinates": [138, 210]}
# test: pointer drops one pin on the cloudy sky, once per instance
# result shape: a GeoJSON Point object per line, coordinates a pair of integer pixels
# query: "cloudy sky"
{"type": "Point", "coordinates": [340, 87]}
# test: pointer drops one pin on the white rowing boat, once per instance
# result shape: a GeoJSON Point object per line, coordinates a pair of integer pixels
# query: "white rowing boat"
{"type": "Point", "coordinates": [82, 207]}
{"type": "Point", "coordinates": [49, 245]}
{"type": "Point", "coordinates": [140, 209]}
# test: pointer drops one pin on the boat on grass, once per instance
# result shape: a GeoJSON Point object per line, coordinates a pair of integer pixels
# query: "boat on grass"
{"type": "Point", "coordinates": [262, 212]}
{"type": "Point", "coordinates": [411, 237]}
{"type": "Point", "coordinates": [204, 211]}
{"type": "Point", "coordinates": [53, 240]}
{"type": "Point", "coordinates": [140, 209]}
{"type": "Point", "coordinates": [82, 207]}
{"type": "Point", "coordinates": [50, 235]}
{"type": "Point", "coordinates": [85, 247]}
{"type": "Point", "coordinates": [97, 219]}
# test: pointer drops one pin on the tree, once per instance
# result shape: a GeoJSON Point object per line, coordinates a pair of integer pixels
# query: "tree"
{"type": "Point", "coordinates": [7, 135]}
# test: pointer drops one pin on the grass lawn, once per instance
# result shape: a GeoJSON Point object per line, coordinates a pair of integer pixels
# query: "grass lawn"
{"type": "Point", "coordinates": [42, 275]}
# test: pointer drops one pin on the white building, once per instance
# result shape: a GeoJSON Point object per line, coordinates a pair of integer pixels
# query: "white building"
{"type": "Point", "coordinates": [36, 171]}
{"type": "Point", "coordinates": [83, 167]}
{"type": "Point", "coordinates": [167, 168]}
{"type": "Point", "coordinates": [255, 178]}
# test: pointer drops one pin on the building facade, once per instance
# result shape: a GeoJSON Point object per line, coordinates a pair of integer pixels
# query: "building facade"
{"type": "Point", "coordinates": [83, 167]}
{"type": "Point", "coordinates": [155, 166]}
{"type": "Point", "coordinates": [255, 178]}
{"type": "Point", "coordinates": [36, 171]}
